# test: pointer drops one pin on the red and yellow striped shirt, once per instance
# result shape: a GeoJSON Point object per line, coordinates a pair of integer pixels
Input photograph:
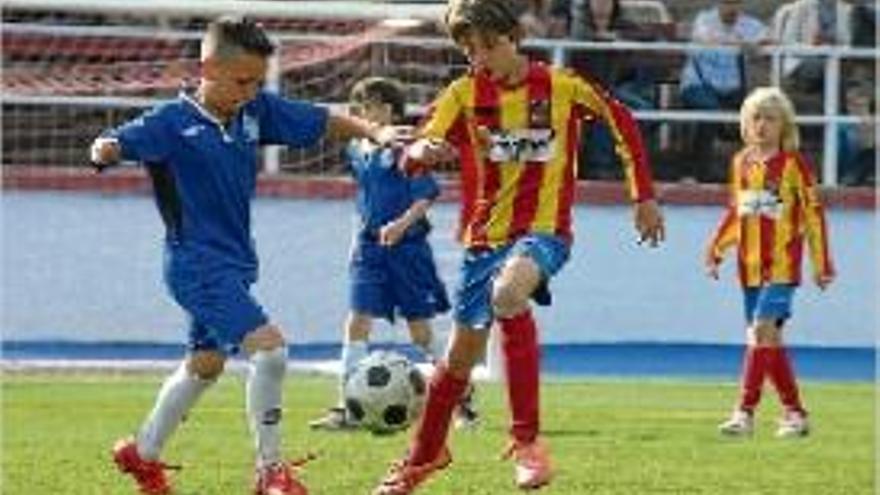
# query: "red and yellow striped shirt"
{"type": "Point", "coordinates": [772, 205]}
{"type": "Point", "coordinates": [518, 150]}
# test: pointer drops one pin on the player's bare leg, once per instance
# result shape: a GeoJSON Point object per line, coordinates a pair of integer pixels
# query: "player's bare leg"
{"type": "Point", "coordinates": [267, 353]}
{"type": "Point", "coordinates": [139, 456]}
{"type": "Point", "coordinates": [519, 343]}
{"type": "Point", "coordinates": [423, 336]}
{"type": "Point", "coordinates": [354, 348]}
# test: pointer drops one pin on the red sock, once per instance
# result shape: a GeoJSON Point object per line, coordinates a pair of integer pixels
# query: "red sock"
{"type": "Point", "coordinates": [519, 344]}
{"type": "Point", "coordinates": [755, 363]}
{"type": "Point", "coordinates": [444, 392]}
{"type": "Point", "coordinates": [782, 376]}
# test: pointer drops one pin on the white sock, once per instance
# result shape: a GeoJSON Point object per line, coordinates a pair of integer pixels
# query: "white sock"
{"type": "Point", "coordinates": [177, 396]}
{"type": "Point", "coordinates": [352, 353]}
{"type": "Point", "coordinates": [263, 399]}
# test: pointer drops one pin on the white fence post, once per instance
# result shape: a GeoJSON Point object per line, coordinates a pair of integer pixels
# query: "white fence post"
{"type": "Point", "coordinates": [272, 154]}
{"type": "Point", "coordinates": [830, 145]}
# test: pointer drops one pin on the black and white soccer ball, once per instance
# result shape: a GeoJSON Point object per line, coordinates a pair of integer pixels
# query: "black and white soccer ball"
{"type": "Point", "coordinates": [385, 392]}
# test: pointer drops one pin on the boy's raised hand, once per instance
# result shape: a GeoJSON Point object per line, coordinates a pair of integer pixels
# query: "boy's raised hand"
{"type": "Point", "coordinates": [431, 151]}
{"type": "Point", "coordinates": [389, 135]}
{"type": "Point", "coordinates": [391, 233]}
{"type": "Point", "coordinates": [423, 154]}
{"type": "Point", "coordinates": [104, 152]}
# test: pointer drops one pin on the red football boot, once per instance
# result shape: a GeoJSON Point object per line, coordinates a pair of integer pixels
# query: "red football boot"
{"type": "Point", "coordinates": [281, 478]}
{"type": "Point", "coordinates": [149, 475]}
{"type": "Point", "coordinates": [404, 478]}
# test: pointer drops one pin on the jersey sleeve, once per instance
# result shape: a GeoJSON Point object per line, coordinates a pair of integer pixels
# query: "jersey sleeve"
{"type": "Point", "coordinates": [815, 226]}
{"type": "Point", "coordinates": [146, 139]}
{"type": "Point", "coordinates": [726, 232]}
{"type": "Point", "coordinates": [443, 115]}
{"type": "Point", "coordinates": [292, 122]}
{"type": "Point", "coordinates": [444, 122]}
{"type": "Point", "coordinates": [625, 132]}
{"type": "Point", "coordinates": [725, 235]}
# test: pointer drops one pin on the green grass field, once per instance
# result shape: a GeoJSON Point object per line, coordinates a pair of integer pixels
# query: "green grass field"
{"type": "Point", "coordinates": [623, 437]}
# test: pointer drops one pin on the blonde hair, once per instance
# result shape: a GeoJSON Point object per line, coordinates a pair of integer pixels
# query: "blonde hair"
{"type": "Point", "coordinates": [771, 98]}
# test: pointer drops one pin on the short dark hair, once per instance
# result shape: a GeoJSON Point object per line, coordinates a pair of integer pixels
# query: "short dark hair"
{"type": "Point", "coordinates": [382, 90]}
{"type": "Point", "coordinates": [230, 35]}
{"type": "Point", "coordinates": [484, 17]}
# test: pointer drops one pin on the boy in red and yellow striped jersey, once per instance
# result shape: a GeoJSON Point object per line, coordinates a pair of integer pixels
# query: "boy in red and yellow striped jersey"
{"type": "Point", "coordinates": [514, 127]}
{"type": "Point", "coordinates": [773, 205]}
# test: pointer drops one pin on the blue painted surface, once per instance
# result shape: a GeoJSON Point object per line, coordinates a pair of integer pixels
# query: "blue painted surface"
{"type": "Point", "coordinates": [622, 360]}
{"type": "Point", "coordinates": [86, 268]}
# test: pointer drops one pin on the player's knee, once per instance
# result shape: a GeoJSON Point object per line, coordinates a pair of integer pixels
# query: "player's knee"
{"type": "Point", "coordinates": [507, 301]}
{"type": "Point", "coordinates": [420, 333]}
{"type": "Point", "coordinates": [265, 338]}
{"type": "Point", "coordinates": [357, 327]}
{"type": "Point", "coordinates": [766, 333]}
{"type": "Point", "coordinates": [207, 365]}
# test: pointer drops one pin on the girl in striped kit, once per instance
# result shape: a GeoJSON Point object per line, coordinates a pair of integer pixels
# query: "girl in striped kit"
{"type": "Point", "coordinates": [774, 206]}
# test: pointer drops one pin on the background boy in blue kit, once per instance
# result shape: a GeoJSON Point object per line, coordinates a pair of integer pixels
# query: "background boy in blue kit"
{"type": "Point", "coordinates": [392, 269]}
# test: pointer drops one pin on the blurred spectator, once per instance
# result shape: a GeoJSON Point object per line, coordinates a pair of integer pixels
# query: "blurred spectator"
{"type": "Point", "coordinates": [625, 77]}
{"type": "Point", "coordinates": [716, 79]}
{"type": "Point", "coordinates": [592, 19]}
{"type": "Point", "coordinates": [813, 23]}
{"type": "Point", "coordinates": [863, 23]}
{"type": "Point", "coordinates": [535, 18]}
{"type": "Point", "coordinates": [603, 20]}
{"type": "Point", "coordinates": [857, 141]}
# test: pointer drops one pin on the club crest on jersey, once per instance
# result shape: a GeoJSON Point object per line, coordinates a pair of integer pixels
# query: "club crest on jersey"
{"type": "Point", "coordinates": [521, 145]}
{"type": "Point", "coordinates": [763, 203]}
{"type": "Point", "coordinates": [539, 113]}
{"type": "Point", "coordinates": [193, 130]}
{"type": "Point", "coordinates": [251, 127]}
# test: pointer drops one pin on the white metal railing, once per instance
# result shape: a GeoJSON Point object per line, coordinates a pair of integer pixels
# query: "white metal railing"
{"type": "Point", "coordinates": [830, 118]}
{"type": "Point", "coordinates": [309, 9]}
{"type": "Point", "coordinates": [558, 51]}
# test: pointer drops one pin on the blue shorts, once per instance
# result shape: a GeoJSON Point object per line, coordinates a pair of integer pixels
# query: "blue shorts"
{"type": "Point", "coordinates": [400, 279]}
{"type": "Point", "coordinates": [220, 307]}
{"type": "Point", "coordinates": [768, 302]}
{"type": "Point", "coordinates": [473, 296]}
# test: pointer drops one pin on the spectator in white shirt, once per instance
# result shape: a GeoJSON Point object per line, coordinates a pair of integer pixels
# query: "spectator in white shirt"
{"type": "Point", "coordinates": [716, 79]}
{"type": "Point", "coordinates": [813, 23]}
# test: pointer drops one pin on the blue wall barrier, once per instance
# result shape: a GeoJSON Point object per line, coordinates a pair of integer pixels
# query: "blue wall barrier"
{"type": "Point", "coordinates": [87, 268]}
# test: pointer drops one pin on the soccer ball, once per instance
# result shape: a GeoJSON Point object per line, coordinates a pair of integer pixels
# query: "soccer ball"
{"type": "Point", "coordinates": [384, 392]}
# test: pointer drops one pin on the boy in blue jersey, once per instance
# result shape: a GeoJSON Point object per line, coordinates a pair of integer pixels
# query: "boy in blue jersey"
{"type": "Point", "coordinates": [201, 151]}
{"type": "Point", "coordinates": [392, 269]}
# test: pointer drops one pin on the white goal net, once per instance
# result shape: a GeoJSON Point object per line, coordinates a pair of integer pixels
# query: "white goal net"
{"type": "Point", "coordinates": [72, 69]}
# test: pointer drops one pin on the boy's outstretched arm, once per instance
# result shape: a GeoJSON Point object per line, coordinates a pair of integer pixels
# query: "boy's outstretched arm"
{"type": "Point", "coordinates": [343, 127]}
